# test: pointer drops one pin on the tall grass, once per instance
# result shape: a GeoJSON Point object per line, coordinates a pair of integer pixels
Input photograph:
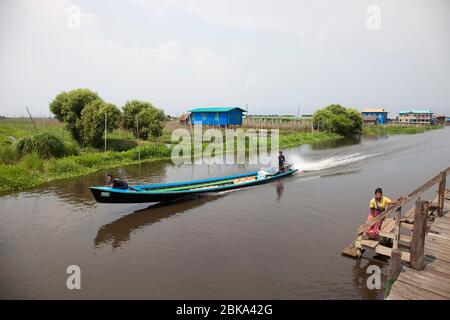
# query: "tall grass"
{"type": "Point", "coordinates": [8, 154]}
{"type": "Point", "coordinates": [31, 170]}
{"type": "Point", "coordinates": [44, 144]}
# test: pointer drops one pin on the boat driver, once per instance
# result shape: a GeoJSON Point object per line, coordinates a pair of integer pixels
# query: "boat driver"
{"type": "Point", "coordinates": [115, 183]}
{"type": "Point", "coordinates": [281, 162]}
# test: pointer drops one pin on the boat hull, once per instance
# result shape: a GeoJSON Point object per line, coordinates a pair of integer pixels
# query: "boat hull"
{"type": "Point", "coordinates": [110, 195]}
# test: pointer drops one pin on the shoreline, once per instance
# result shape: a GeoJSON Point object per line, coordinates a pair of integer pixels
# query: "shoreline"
{"type": "Point", "coordinates": [397, 129]}
{"type": "Point", "coordinates": [23, 176]}
{"type": "Point", "coordinates": [19, 176]}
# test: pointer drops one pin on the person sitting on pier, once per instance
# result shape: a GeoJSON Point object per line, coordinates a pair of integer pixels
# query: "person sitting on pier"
{"type": "Point", "coordinates": [377, 205]}
{"type": "Point", "coordinates": [115, 183]}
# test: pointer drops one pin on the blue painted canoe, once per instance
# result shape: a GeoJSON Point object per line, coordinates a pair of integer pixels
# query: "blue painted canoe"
{"type": "Point", "coordinates": [176, 190]}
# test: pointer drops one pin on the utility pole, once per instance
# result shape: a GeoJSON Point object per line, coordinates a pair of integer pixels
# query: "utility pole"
{"type": "Point", "coordinates": [32, 121]}
{"type": "Point", "coordinates": [106, 124]}
{"type": "Point", "coordinates": [137, 133]}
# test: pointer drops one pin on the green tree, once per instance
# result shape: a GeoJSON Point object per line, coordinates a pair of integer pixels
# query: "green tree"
{"type": "Point", "coordinates": [67, 108]}
{"type": "Point", "coordinates": [337, 119]}
{"type": "Point", "coordinates": [151, 122]}
{"type": "Point", "coordinates": [93, 121]}
{"type": "Point", "coordinates": [150, 119]}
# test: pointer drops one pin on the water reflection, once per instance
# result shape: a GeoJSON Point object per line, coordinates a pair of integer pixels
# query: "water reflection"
{"type": "Point", "coordinates": [76, 190]}
{"type": "Point", "coordinates": [280, 190]}
{"type": "Point", "coordinates": [118, 232]}
{"type": "Point", "coordinates": [330, 144]}
{"type": "Point", "coordinates": [360, 277]}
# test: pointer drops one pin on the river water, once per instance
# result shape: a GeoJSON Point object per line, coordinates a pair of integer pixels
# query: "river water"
{"type": "Point", "coordinates": [277, 241]}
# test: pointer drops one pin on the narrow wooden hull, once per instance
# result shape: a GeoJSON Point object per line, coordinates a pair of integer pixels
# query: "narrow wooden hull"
{"type": "Point", "coordinates": [173, 191]}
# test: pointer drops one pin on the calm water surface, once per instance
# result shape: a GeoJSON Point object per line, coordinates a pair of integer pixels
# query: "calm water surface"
{"type": "Point", "coordinates": [277, 241]}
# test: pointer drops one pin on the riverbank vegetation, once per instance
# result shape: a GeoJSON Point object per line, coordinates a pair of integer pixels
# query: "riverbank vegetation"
{"type": "Point", "coordinates": [32, 170]}
{"type": "Point", "coordinates": [339, 120]}
{"type": "Point", "coordinates": [36, 151]}
{"type": "Point", "coordinates": [48, 151]}
{"type": "Point", "coordinates": [396, 129]}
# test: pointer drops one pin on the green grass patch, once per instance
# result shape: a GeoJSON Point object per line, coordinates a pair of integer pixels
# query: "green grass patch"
{"type": "Point", "coordinates": [31, 170]}
{"type": "Point", "coordinates": [396, 129]}
{"type": "Point", "coordinates": [292, 139]}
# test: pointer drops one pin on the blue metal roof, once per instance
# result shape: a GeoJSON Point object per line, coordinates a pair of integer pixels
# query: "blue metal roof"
{"type": "Point", "coordinates": [216, 109]}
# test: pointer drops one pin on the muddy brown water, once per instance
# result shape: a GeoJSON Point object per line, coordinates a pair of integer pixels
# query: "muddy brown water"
{"type": "Point", "coordinates": [277, 241]}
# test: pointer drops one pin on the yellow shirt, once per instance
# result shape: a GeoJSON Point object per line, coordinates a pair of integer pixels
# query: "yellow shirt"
{"type": "Point", "coordinates": [381, 204]}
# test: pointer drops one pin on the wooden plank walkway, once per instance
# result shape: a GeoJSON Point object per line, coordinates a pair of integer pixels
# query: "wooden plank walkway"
{"type": "Point", "coordinates": [399, 227]}
{"type": "Point", "coordinates": [432, 282]}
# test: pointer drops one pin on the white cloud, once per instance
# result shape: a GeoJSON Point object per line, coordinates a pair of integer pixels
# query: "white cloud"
{"type": "Point", "coordinates": [164, 74]}
{"type": "Point", "coordinates": [270, 54]}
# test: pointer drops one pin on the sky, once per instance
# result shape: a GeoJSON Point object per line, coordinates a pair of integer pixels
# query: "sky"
{"type": "Point", "coordinates": [275, 57]}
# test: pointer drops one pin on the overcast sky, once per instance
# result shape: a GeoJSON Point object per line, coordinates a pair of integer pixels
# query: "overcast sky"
{"type": "Point", "coordinates": [274, 56]}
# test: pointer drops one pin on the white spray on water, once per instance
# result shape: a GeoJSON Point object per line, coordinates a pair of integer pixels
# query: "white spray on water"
{"type": "Point", "coordinates": [327, 163]}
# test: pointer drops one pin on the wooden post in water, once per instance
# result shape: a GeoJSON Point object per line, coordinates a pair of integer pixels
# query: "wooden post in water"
{"type": "Point", "coordinates": [394, 264]}
{"type": "Point", "coordinates": [418, 236]}
{"type": "Point", "coordinates": [441, 193]}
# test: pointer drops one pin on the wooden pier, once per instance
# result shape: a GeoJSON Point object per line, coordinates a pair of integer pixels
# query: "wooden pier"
{"type": "Point", "coordinates": [419, 266]}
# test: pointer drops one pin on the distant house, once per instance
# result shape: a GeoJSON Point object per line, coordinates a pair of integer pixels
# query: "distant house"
{"type": "Point", "coordinates": [217, 116]}
{"type": "Point", "coordinates": [415, 117]}
{"type": "Point", "coordinates": [184, 118]}
{"type": "Point", "coordinates": [440, 119]}
{"type": "Point", "coordinates": [375, 115]}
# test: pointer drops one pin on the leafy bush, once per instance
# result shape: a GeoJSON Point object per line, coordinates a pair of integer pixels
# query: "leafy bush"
{"type": "Point", "coordinates": [71, 149]}
{"type": "Point", "coordinates": [93, 121]}
{"type": "Point", "coordinates": [44, 144]}
{"type": "Point", "coordinates": [144, 116]}
{"type": "Point", "coordinates": [149, 151]}
{"type": "Point", "coordinates": [33, 162]}
{"type": "Point", "coordinates": [337, 119]}
{"type": "Point", "coordinates": [8, 154]}
{"type": "Point", "coordinates": [151, 123]}
{"type": "Point", "coordinates": [67, 107]}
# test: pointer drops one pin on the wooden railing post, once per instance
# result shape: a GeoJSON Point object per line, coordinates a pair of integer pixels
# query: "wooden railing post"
{"type": "Point", "coordinates": [394, 264]}
{"type": "Point", "coordinates": [418, 236]}
{"type": "Point", "coordinates": [397, 228]}
{"type": "Point", "coordinates": [441, 193]}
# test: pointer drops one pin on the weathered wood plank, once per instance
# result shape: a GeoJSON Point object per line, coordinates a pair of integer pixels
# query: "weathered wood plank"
{"type": "Point", "coordinates": [370, 243]}
{"type": "Point", "coordinates": [412, 292]}
{"type": "Point", "coordinates": [385, 251]}
{"type": "Point", "coordinates": [427, 283]}
{"type": "Point", "coordinates": [405, 225]}
{"type": "Point", "coordinates": [437, 255]}
{"type": "Point", "coordinates": [433, 265]}
{"type": "Point", "coordinates": [441, 237]}
{"type": "Point", "coordinates": [441, 278]}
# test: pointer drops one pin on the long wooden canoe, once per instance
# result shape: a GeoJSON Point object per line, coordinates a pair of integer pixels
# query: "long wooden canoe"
{"type": "Point", "coordinates": [176, 190]}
